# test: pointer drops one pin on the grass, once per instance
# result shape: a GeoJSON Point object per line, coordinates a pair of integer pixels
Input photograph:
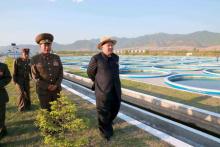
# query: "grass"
{"type": "Point", "coordinates": [196, 100]}
{"type": "Point", "coordinates": [125, 135]}
{"type": "Point", "coordinates": [76, 53]}
{"type": "Point", "coordinates": [20, 125]}
{"type": "Point", "coordinates": [195, 52]}
{"type": "Point", "coordinates": [22, 131]}
{"type": "Point", "coordinates": [77, 72]}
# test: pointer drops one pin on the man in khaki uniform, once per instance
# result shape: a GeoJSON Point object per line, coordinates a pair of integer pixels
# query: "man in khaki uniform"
{"type": "Point", "coordinates": [47, 71]}
{"type": "Point", "coordinates": [5, 78]}
{"type": "Point", "coordinates": [21, 77]}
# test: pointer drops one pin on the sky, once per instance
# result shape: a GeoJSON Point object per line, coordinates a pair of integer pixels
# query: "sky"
{"type": "Point", "coordinates": [71, 20]}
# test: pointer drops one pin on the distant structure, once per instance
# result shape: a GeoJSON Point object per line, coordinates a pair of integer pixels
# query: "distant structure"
{"type": "Point", "coordinates": [189, 54]}
{"type": "Point", "coordinates": [130, 51]}
{"type": "Point", "coordinates": [13, 52]}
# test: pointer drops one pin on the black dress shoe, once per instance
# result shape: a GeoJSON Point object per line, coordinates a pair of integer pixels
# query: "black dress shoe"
{"type": "Point", "coordinates": [105, 137]}
{"type": "Point", "coordinates": [108, 138]}
{"type": "Point", "coordinates": [3, 133]}
{"type": "Point", "coordinates": [21, 110]}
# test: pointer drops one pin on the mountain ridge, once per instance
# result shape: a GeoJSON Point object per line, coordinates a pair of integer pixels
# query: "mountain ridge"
{"type": "Point", "coordinates": [199, 39]}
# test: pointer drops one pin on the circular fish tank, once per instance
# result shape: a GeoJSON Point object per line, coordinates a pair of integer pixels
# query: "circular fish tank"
{"type": "Point", "coordinates": [70, 63]}
{"type": "Point", "coordinates": [210, 65]}
{"type": "Point", "coordinates": [214, 72]}
{"type": "Point", "coordinates": [195, 83]}
{"type": "Point", "coordinates": [177, 68]}
{"type": "Point", "coordinates": [143, 73]}
{"type": "Point", "coordinates": [84, 67]}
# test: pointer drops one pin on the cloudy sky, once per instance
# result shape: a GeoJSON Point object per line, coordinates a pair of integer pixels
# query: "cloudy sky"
{"type": "Point", "coordinates": [71, 20]}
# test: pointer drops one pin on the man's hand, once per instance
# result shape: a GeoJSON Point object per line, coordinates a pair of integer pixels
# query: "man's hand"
{"type": "Point", "coordinates": [52, 87]}
{"type": "Point", "coordinates": [49, 87]}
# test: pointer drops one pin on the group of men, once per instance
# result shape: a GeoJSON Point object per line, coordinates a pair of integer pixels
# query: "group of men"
{"type": "Point", "coordinates": [46, 70]}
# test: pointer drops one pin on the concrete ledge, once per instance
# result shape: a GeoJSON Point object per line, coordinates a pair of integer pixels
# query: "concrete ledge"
{"type": "Point", "coordinates": [204, 119]}
{"type": "Point", "coordinates": [78, 79]}
{"type": "Point", "coordinates": [201, 118]}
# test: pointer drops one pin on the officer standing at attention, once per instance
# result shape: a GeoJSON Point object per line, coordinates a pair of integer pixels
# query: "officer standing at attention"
{"type": "Point", "coordinates": [47, 71]}
{"type": "Point", "coordinates": [21, 77]}
{"type": "Point", "coordinates": [5, 78]}
{"type": "Point", "coordinates": [103, 70]}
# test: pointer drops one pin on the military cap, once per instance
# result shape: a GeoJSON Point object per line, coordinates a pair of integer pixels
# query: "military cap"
{"type": "Point", "coordinates": [44, 38]}
{"type": "Point", "coordinates": [104, 40]}
{"type": "Point", "coordinates": [25, 50]}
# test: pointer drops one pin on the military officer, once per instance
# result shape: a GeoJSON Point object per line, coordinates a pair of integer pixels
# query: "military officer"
{"type": "Point", "coordinates": [103, 69]}
{"type": "Point", "coordinates": [47, 71]}
{"type": "Point", "coordinates": [5, 78]}
{"type": "Point", "coordinates": [21, 77]}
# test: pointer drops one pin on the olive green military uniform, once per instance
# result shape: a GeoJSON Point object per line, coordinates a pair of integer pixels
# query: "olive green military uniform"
{"type": "Point", "coordinates": [5, 78]}
{"type": "Point", "coordinates": [21, 77]}
{"type": "Point", "coordinates": [46, 70]}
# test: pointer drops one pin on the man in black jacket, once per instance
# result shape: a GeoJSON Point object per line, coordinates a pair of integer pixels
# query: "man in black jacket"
{"type": "Point", "coordinates": [103, 70]}
{"type": "Point", "coordinates": [5, 78]}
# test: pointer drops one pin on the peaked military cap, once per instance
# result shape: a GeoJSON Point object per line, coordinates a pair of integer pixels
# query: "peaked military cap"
{"type": "Point", "coordinates": [44, 38]}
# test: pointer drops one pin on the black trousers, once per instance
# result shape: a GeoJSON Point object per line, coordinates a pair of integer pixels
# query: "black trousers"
{"type": "Point", "coordinates": [45, 100]}
{"type": "Point", "coordinates": [2, 117]}
{"type": "Point", "coordinates": [107, 110]}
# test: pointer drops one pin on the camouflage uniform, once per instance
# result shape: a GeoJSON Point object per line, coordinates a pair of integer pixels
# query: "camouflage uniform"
{"type": "Point", "coordinates": [21, 78]}
{"type": "Point", "coordinates": [5, 78]}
